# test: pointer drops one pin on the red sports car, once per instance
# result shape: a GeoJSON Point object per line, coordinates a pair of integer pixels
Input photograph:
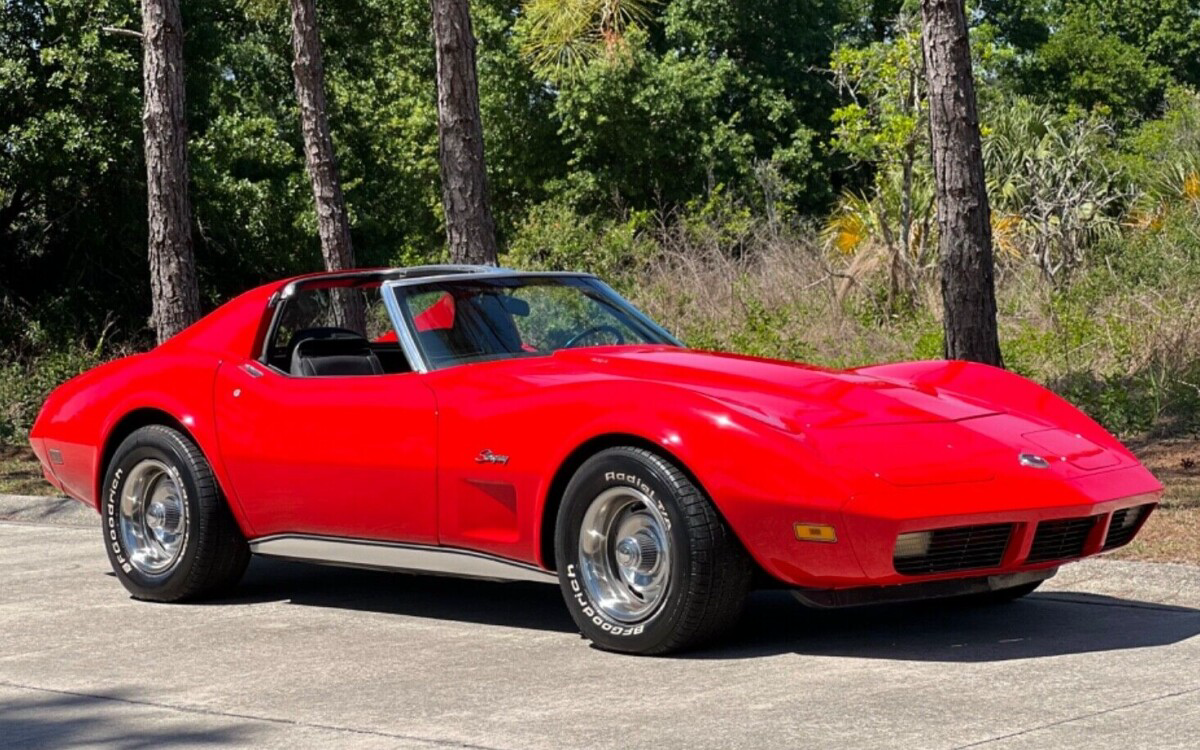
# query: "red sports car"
{"type": "Point", "coordinates": [534, 426]}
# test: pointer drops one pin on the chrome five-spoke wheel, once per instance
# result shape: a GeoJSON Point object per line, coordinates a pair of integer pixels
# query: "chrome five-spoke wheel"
{"type": "Point", "coordinates": [153, 517]}
{"type": "Point", "coordinates": [625, 554]}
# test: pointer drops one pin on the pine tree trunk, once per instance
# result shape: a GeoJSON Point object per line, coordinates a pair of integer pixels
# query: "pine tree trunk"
{"type": "Point", "coordinates": [175, 297]}
{"type": "Point", "coordinates": [333, 223]}
{"type": "Point", "coordinates": [470, 230]}
{"type": "Point", "coordinates": [964, 225]}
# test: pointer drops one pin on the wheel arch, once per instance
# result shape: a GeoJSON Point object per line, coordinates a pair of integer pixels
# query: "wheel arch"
{"type": "Point", "coordinates": [144, 416]}
{"type": "Point", "coordinates": [567, 468]}
{"type": "Point", "coordinates": [127, 425]}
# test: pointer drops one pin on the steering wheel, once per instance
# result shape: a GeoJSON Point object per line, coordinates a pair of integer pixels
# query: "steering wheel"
{"type": "Point", "coordinates": [574, 340]}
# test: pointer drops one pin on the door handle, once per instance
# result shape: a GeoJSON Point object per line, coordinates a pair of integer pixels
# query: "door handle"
{"type": "Point", "coordinates": [252, 371]}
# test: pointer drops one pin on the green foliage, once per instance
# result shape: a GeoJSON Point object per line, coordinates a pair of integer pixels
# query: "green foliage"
{"type": "Point", "coordinates": [885, 87]}
{"type": "Point", "coordinates": [682, 148]}
{"type": "Point", "coordinates": [71, 196]}
{"type": "Point", "coordinates": [1120, 341]}
{"type": "Point", "coordinates": [1052, 195]}
{"type": "Point", "coordinates": [1162, 157]}
{"type": "Point", "coordinates": [704, 96]}
{"type": "Point", "coordinates": [25, 385]}
{"type": "Point", "coordinates": [562, 36]}
{"type": "Point", "coordinates": [1114, 56]}
{"type": "Point", "coordinates": [885, 124]}
{"type": "Point", "coordinates": [1084, 65]}
{"type": "Point", "coordinates": [555, 237]}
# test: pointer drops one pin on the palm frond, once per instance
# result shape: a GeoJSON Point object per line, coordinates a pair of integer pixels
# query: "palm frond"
{"type": "Point", "coordinates": [560, 37]}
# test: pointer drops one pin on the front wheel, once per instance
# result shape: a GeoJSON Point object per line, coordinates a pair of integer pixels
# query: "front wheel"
{"type": "Point", "coordinates": [645, 562]}
{"type": "Point", "coordinates": [168, 532]}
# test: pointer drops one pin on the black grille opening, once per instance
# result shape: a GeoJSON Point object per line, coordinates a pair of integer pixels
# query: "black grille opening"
{"type": "Point", "coordinates": [1060, 539]}
{"type": "Point", "coordinates": [960, 548]}
{"type": "Point", "coordinates": [1124, 524]}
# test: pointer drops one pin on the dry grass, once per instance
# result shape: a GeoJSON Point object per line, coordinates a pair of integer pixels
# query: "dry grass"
{"type": "Point", "coordinates": [774, 295]}
{"type": "Point", "coordinates": [20, 472]}
{"type": "Point", "coordinates": [1173, 533]}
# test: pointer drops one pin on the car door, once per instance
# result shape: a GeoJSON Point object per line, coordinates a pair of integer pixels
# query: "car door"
{"type": "Point", "coordinates": [351, 456]}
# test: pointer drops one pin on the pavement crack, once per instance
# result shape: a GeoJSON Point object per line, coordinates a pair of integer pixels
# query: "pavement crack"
{"type": "Point", "coordinates": [196, 710]}
{"type": "Point", "coordinates": [1080, 717]}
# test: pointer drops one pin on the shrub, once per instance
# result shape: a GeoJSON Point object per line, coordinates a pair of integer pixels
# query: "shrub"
{"type": "Point", "coordinates": [24, 385]}
{"type": "Point", "coordinates": [555, 237]}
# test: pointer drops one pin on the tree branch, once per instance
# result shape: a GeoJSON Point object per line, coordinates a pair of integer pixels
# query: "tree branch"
{"type": "Point", "coordinates": [118, 31]}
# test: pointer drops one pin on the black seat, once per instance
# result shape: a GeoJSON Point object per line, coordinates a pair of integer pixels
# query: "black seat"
{"type": "Point", "coordinates": [316, 357]}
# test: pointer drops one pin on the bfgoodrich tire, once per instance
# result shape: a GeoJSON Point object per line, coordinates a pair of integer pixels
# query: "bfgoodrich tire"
{"type": "Point", "coordinates": [645, 562]}
{"type": "Point", "coordinates": [169, 535]}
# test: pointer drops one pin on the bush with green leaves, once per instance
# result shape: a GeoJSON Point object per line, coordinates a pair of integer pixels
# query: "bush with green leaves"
{"type": "Point", "coordinates": [25, 385]}
{"type": "Point", "coordinates": [555, 237]}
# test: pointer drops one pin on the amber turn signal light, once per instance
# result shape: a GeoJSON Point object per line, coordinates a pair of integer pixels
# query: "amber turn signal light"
{"type": "Point", "coordinates": [815, 532]}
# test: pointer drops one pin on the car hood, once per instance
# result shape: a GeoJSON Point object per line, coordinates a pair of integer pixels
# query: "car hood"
{"type": "Point", "coordinates": [902, 434]}
{"type": "Point", "coordinates": [788, 395]}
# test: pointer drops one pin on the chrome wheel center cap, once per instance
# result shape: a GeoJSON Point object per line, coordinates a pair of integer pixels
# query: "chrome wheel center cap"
{"type": "Point", "coordinates": [156, 516]}
{"type": "Point", "coordinates": [628, 553]}
{"type": "Point", "coordinates": [162, 518]}
{"type": "Point", "coordinates": [637, 553]}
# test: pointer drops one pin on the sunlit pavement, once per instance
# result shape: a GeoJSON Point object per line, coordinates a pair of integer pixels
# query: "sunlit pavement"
{"type": "Point", "coordinates": [1107, 656]}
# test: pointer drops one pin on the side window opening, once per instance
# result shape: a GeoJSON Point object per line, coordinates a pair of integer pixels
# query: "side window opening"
{"type": "Point", "coordinates": [307, 341]}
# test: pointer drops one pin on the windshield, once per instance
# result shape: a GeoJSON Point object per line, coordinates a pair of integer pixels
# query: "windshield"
{"type": "Point", "coordinates": [480, 319]}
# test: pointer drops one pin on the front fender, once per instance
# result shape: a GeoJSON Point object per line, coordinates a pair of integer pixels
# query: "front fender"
{"type": "Point", "coordinates": [763, 479]}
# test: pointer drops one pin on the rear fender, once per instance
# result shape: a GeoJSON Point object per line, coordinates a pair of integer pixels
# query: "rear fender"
{"type": "Point", "coordinates": [86, 418]}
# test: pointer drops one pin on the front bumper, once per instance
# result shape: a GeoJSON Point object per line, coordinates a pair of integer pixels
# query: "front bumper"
{"type": "Point", "coordinates": [869, 524]}
{"type": "Point", "coordinates": [911, 592]}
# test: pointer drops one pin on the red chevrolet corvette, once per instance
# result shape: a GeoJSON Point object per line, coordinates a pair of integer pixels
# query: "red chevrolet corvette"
{"type": "Point", "coordinates": [535, 426]}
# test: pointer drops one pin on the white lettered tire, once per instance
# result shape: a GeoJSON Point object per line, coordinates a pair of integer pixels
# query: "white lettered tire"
{"type": "Point", "coordinates": [167, 530]}
{"type": "Point", "coordinates": [645, 562]}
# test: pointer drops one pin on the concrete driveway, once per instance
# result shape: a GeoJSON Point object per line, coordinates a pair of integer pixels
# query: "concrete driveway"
{"type": "Point", "coordinates": [1108, 656]}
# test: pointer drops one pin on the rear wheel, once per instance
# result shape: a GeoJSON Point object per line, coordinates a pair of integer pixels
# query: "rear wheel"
{"type": "Point", "coordinates": [645, 562]}
{"type": "Point", "coordinates": [167, 530]}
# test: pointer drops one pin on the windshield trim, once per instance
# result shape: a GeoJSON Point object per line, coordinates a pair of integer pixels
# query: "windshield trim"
{"type": "Point", "coordinates": [403, 323]}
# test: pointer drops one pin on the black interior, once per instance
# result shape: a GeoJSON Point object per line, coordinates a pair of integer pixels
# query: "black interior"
{"type": "Point", "coordinates": [317, 352]}
{"type": "Point", "coordinates": [334, 356]}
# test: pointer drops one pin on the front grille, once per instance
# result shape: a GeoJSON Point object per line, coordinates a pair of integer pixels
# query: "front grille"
{"type": "Point", "coordinates": [1060, 539]}
{"type": "Point", "coordinates": [961, 548]}
{"type": "Point", "coordinates": [1125, 523]}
